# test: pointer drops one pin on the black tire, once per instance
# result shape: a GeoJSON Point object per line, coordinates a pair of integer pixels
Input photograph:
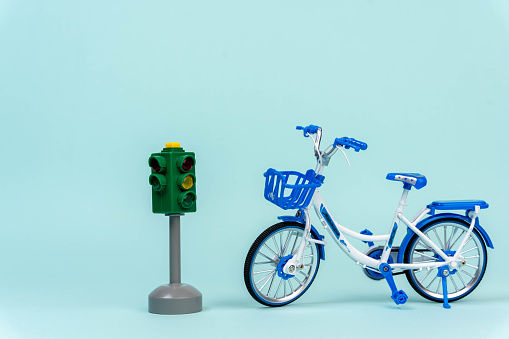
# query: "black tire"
{"type": "Point", "coordinates": [459, 293]}
{"type": "Point", "coordinates": [291, 228]}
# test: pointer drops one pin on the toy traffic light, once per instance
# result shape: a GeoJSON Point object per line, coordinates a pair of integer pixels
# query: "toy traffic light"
{"type": "Point", "coordinates": [173, 180]}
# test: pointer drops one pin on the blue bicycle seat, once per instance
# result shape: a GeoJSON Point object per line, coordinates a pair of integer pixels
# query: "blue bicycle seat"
{"type": "Point", "coordinates": [409, 179]}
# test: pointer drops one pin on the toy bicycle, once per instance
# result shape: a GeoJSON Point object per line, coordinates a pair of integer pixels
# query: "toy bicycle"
{"type": "Point", "coordinates": [443, 256]}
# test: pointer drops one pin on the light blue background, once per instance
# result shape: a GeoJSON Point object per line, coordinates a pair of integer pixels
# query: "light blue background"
{"type": "Point", "coordinates": [88, 89]}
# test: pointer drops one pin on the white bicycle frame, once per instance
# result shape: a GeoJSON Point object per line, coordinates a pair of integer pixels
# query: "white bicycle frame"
{"type": "Point", "coordinates": [338, 232]}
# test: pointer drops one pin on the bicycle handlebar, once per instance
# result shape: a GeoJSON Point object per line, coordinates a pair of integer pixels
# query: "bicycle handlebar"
{"type": "Point", "coordinates": [350, 142]}
{"type": "Point", "coordinates": [311, 129]}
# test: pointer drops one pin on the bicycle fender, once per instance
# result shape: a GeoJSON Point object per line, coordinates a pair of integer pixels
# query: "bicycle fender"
{"type": "Point", "coordinates": [435, 217]}
{"type": "Point", "coordinates": [314, 232]}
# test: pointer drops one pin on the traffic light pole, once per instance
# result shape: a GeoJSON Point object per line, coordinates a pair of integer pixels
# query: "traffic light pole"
{"type": "Point", "coordinates": [175, 249]}
{"type": "Point", "coordinates": [175, 298]}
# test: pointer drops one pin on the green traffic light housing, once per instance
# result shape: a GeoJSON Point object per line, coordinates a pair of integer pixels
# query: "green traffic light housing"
{"type": "Point", "coordinates": [173, 180]}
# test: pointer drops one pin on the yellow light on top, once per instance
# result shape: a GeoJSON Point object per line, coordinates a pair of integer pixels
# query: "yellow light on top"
{"type": "Point", "coordinates": [172, 145]}
{"type": "Point", "coordinates": [188, 182]}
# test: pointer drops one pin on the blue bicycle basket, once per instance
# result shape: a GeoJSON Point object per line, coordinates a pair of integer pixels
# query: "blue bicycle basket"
{"type": "Point", "coordinates": [289, 189]}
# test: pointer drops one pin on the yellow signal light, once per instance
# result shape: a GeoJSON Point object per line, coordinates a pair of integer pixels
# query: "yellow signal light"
{"type": "Point", "coordinates": [188, 182]}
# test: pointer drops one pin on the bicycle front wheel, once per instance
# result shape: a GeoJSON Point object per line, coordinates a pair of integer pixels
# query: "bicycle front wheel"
{"type": "Point", "coordinates": [447, 234]}
{"type": "Point", "coordinates": [263, 274]}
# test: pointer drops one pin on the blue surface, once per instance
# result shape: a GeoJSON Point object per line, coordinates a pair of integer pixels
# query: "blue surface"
{"type": "Point", "coordinates": [90, 89]}
{"type": "Point", "coordinates": [415, 179]}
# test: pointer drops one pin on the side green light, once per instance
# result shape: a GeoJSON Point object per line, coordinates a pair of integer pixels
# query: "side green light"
{"type": "Point", "coordinates": [157, 181]}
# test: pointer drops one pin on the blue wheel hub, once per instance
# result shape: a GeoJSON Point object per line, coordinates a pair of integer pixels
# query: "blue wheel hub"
{"type": "Point", "coordinates": [281, 264]}
{"type": "Point", "coordinates": [449, 254]}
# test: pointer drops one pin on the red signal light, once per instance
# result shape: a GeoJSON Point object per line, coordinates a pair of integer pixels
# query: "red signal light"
{"type": "Point", "coordinates": [187, 164]}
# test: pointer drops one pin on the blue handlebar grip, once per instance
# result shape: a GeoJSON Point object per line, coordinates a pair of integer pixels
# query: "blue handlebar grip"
{"type": "Point", "coordinates": [311, 129]}
{"type": "Point", "coordinates": [350, 142]}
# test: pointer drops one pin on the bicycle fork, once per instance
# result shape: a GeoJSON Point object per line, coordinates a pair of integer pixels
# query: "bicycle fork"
{"type": "Point", "coordinates": [296, 263]}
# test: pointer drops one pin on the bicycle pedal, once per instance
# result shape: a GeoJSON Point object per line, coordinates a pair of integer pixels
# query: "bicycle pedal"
{"type": "Point", "coordinates": [399, 297]}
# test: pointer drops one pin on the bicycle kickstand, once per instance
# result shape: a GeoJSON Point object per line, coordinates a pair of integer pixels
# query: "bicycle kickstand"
{"type": "Point", "coordinates": [399, 297]}
{"type": "Point", "coordinates": [443, 272]}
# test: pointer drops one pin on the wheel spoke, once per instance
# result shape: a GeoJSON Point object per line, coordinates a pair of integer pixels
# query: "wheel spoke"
{"type": "Point", "coordinates": [290, 284]}
{"type": "Point", "coordinates": [276, 246]}
{"type": "Point", "coordinates": [281, 244]}
{"type": "Point", "coordinates": [445, 237]}
{"type": "Point", "coordinates": [456, 287]}
{"type": "Point", "coordinates": [440, 241]}
{"type": "Point", "coordinates": [431, 282]}
{"type": "Point", "coordinates": [270, 286]}
{"type": "Point", "coordinates": [286, 243]}
{"type": "Point", "coordinates": [429, 256]}
{"type": "Point", "coordinates": [473, 248]}
{"type": "Point", "coordinates": [467, 273]}
{"type": "Point", "coordinates": [268, 275]}
{"type": "Point", "coordinates": [459, 236]}
{"type": "Point", "coordinates": [473, 256]}
{"type": "Point", "coordinates": [295, 242]}
{"type": "Point", "coordinates": [305, 248]}
{"type": "Point", "coordinates": [463, 282]}
{"type": "Point", "coordinates": [449, 246]}
{"type": "Point", "coordinates": [270, 249]}
{"type": "Point", "coordinates": [420, 281]}
{"type": "Point", "coordinates": [272, 260]}
{"type": "Point", "coordinates": [426, 246]}
{"type": "Point", "coordinates": [472, 266]}
{"type": "Point", "coordinates": [261, 288]}
{"type": "Point", "coordinates": [263, 262]}
{"type": "Point", "coordinates": [307, 275]}
{"type": "Point", "coordinates": [300, 283]}
{"type": "Point", "coordinates": [273, 269]}
{"type": "Point", "coordinates": [278, 287]}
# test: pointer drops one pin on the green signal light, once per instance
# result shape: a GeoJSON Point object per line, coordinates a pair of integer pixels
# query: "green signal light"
{"type": "Point", "coordinates": [186, 199]}
{"type": "Point", "coordinates": [157, 181]}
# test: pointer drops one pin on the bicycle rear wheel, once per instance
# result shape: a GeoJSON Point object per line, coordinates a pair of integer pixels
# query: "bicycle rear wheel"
{"type": "Point", "coordinates": [263, 275]}
{"type": "Point", "coordinates": [448, 234]}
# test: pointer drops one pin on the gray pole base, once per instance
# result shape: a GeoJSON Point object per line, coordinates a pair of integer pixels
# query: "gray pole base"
{"type": "Point", "coordinates": [175, 299]}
